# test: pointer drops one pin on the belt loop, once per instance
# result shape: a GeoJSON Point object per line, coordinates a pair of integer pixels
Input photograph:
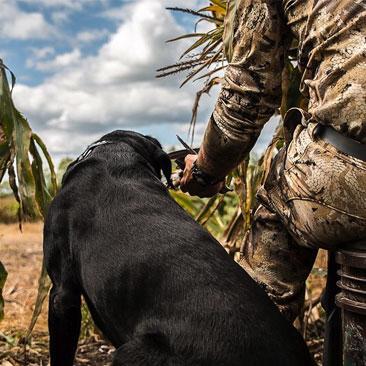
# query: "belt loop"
{"type": "Point", "coordinates": [293, 118]}
{"type": "Point", "coordinates": [313, 129]}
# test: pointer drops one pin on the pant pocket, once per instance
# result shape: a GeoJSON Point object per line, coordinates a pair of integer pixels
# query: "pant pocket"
{"type": "Point", "coordinates": [325, 192]}
{"type": "Point", "coordinates": [328, 177]}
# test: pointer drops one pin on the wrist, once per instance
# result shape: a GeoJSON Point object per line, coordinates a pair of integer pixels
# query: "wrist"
{"type": "Point", "coordinates": [208, 166]}
{"type": "Point", "coordinates": [202, 178]}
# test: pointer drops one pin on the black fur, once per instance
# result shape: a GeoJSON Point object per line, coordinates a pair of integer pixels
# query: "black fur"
{"type": "Point", "coordinates": [158, 286]}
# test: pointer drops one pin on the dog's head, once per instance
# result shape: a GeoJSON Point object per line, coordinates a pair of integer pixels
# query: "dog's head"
{"type": "Point", "coordinates": [146, 146]}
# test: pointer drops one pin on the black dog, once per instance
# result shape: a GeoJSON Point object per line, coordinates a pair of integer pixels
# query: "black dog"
{"type": "Point", "coordinates": [158, 285]}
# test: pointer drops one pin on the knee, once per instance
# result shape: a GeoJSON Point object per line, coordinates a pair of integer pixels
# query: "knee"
{"type": "Point", "coordinates": [62, 301]}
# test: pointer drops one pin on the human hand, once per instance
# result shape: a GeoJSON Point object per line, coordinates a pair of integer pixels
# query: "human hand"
{"type": "Point", "coordinates": [189, 184]}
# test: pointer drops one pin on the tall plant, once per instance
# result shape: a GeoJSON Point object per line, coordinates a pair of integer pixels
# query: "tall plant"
{"type": "Point", "coordinates": [205, 57]}
{"type": "Point", "coordinates": [22, 153]}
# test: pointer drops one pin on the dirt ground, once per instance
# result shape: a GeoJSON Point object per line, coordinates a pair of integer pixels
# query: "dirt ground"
{"type": "Point", "coordinates": [21, 254]}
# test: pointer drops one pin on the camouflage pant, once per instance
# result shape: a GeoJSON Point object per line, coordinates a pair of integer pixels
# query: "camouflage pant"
{"type": "Point", "coordinates": [314, 197]}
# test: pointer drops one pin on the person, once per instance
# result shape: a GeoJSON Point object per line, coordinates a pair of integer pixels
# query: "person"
{"type": "Point", "coordinates": [314, 195]}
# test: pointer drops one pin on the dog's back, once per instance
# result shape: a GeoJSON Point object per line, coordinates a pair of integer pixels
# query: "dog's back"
{"type": "Point", "coordinates": [157, 284]}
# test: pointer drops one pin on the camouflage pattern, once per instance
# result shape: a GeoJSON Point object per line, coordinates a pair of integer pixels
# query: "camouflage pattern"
{"type": "Point", "coordinates": [332, 58]}
{"type": "Point", "coordinates": [319, 192]}
{"type": "Point", "coordinates": [278, 264]}
{"type": "Point", "coordinates": [314, 196]}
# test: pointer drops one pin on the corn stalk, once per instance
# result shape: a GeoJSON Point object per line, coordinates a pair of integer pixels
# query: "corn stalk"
{"type": "Point", "coordinates": [22, 154]}
{"type": "Point", "coordinates": [205, 57]}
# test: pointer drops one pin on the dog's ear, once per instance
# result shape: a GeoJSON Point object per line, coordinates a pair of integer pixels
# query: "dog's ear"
{"type": "Point", "coordinates": [162, 160]}
{"type": "Point", "coordinates": [154, 140]}
{"type": "Point", "coordinates": [165, 165]}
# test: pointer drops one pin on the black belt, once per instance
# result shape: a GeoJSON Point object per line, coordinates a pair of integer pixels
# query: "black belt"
{"type": "Point", "coordinates": [342, 143]}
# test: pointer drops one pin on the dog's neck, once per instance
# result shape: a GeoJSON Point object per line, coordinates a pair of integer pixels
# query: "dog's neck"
{"type": "Point", "coordinates": [130, 157]}
{"type": "Point", "coordinates": [90, 149]}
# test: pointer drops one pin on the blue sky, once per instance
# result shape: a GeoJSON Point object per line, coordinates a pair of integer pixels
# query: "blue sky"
{"type": "Point", "coordinates": [85, 27]}
{"type": "Point", "coordinates": [87, 67]}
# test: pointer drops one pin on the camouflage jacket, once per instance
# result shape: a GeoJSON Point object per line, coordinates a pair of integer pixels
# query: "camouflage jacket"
{"type": "Point", "coordinates": [331, 56]}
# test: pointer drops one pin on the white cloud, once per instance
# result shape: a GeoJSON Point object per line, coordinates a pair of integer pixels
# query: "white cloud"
{"type": "Point", "coordinates": [119, 12]}
{"type": "Point", "coordinates": [60, 17]}
{"type": "Point", "coordinates": [91, 35]}
{"type": "Point", "coordinates": [43, 52]}
{"type": "Point", "coordinates": [72, 4]}
{"type": "Point", "coordinates": [38, 54]}
{"type": "Point", "coordinates": [88, 96]}
{"type": "Point", "coordinates": [60, 62]}
{"type": "Point", "coordinates": [17, 24]}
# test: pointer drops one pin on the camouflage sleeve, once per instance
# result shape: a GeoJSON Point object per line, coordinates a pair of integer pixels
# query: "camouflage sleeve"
{"type": "Point", "coordinates": [251, 89]}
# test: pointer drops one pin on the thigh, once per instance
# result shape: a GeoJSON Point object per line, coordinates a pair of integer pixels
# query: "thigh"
{"type": "Point", "coordinates": [146, 350]}
{"type": "Point", "coordinates": [318, 192]}
{"type": "Point", "coordinates": [273, 258]}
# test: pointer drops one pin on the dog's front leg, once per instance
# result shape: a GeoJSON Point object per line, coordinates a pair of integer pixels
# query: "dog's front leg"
{"type": "Point", "coordinates": [64, 319]}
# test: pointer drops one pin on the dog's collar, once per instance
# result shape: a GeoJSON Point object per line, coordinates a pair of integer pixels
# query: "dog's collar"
{"type": "Point", "coordinates": [90, 149]}
{"type": "Point", "coordinates": [94, 145]}
{"type": "Point", "coordinates": [83, 156]}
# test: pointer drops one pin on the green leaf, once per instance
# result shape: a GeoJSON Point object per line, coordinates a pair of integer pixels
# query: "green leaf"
{"type": "Point", "coordinates": [3, 276]}
{"type": "Point", "coordinates": [51, 166]}
{"type": "Point", "coordinates": [14, 188]}
{"type": "Point", "coordinates": [7, 115]}
{"type": "Point", "coordinates": [27, 178]}
{"type": "Point", "coordinates": [4, 159]}
{"type": "Point", "coordinates": [42, 195]}
{"type": "Point", "coordinates": [190, 204]}
{"type": "Point", "coordinates": [206, 209]}
{"type": "Point", "coordinates": [18, 134]}
{"type": "Point", "coordinates": [26, 183]}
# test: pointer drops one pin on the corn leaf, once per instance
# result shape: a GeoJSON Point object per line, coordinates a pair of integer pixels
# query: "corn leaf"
{"type": "Point", "coordinates": [7, 115]}
{"type": "Point", "coordinates": [206, 209]}
{"type": "Point", "coordinates": [51, 166]}
{"type": "Point", "coordinates": [185, 36]}
{"type": "Point", "coordinates": [3, 275]}
{"type": "Point", "coordinates": [42, 195]}
{"type": "Point", "coordinates": [221, 3]}
{"type": "Point", "coordinates": [4, 158]}
{"type": "Point", "coordinates": [186, 202]}
{"type": "Point", "coordinates": [18, 144]}
{"type": "Point", "coordinates": [215, 9]}
{"type": "Point", "coordinates": [26, 182]}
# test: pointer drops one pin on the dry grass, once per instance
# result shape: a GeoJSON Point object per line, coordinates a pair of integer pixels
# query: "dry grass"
{"type": "Point", "coordinates": [21, 254]}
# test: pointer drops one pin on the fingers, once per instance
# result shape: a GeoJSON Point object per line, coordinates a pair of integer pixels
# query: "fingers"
{"type": "Point", "coordinates": [188, 184]}
{"type": "Point", "coordinates": [176, 178]}
{"type": "Point", "coordinates": [187, 177]}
